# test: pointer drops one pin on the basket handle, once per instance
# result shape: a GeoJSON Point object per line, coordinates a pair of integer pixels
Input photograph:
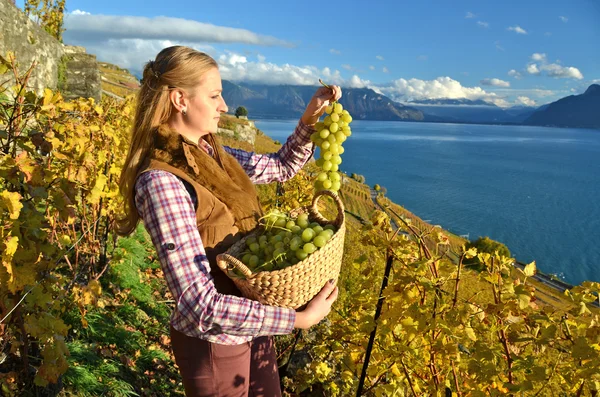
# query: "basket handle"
{"type": "Point", "coordinates": [224, 261]}
{"type": "Point", "coordinates": [338, 202]}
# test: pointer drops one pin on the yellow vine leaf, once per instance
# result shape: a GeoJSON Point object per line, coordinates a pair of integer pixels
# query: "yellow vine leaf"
{"type": "Point", "coordinates": [530, 269]}
{"type": "Point", "coordinates": [10, 247]}
{"type": "Point", "coordinates": [98, 188]}
{"type": "Point", "coordinates": [11, 201]}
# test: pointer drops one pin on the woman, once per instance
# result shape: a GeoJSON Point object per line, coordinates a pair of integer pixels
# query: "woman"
{"type": "Point", "coordinates": [196, 198]}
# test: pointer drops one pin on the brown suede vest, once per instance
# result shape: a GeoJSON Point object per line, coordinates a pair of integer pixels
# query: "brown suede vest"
{"type": "Point", "coordinates": [227, 205]}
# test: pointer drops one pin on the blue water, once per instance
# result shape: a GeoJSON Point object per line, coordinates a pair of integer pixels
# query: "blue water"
{"type": "Point", "coordinates": [535, 189]}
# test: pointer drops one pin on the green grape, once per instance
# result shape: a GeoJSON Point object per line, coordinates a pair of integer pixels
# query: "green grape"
{"type": "Point", "coordinates": [347, 118]}
{"type": "Point", "coordinates": [303, 216]}
{"type": "Point", "coordinates": [334, 127]}
{"type": "Point", "coordinates": [334, 167]}
{"type": "Point", "coordinates": [335, 185]}
{"type": "Point", "coordinates": [279, 245]}
{"type": "Point", "coordinates": [290, 224]}
{"type": "Point", "coordinates": [326, 155]}
{"type": "Point", "coordinates": [341, 124]}
{"type": "Point", "coordinates": [320, 162]}
{"type": "Point", "coordinates": [327, 121]}
{"type": "Point", "coordinates": [246, 258]}
{"type": "Point", "coordinates": [309, 248]}
{"type": "Point", "coordinates": [295, 243]}
{"type": "Point", "coordinates": [340, 136]}
{"type": "Point", "coordinates": [317, 229]}
{"type": "Point", "coordinates": [323, 176]}
{"type": "Point", "coordinates": [263, 244]}
{"type": "Point", "coordinates": [296, 229]}
{"type": "Point", "coordinates": [250, 240]}
{"type": "Point", "coordinates": [254, 248]}
{"type": "Point", "coordinates": [334, 176]}
{"type": "Point", "coordinates": [307, 235]}
{"type": "Point", "coordinates": [253, 261]}
{"type": "Point", "coordinates": [341, 149]}
{"type": "Point", "coordinates": [268, 268]}
{"type": "Point", "coordinates": [326, 234]}
{"type": "Point", "coordinates": [327, 165]}
{"type": "Point", "coordinates": [314, 136]}
{"type": "Point", "coordinates": [332, 139]}
{"type": "Point", "coordinates": [338, 108]}
{"type": "Point", "coordinates": [278, 252]}
{"type": "Point", "coordinates": [324, 133]}
{"type": "Point", "coordinates": [275, 239]}
{"type": "Point", "coordinates": [325, 145]}
{"type": "Point", "coordinates": [319, 126]}
{"type": "Point", "coordinates": [314, 224]}
{"type": "Point", "coordinates": [334, 117]}
{"type": "Point", "coordinates": [329, 227]}
{"type": "Point", "coordinates": [302, 222]}
{"type": "Point", "coordinates": [336, 159]}
{"type": "Point", "coordinates": [328, 109]}
{"type": "Point", "coordinates": [301, 254]}
{"type": "Point", "coordinates": [263, 238]}
{"type": "Point", "coordinates": [320, 241]}
{"type": "Point", "coordinates": [280, 222]}
{"type": "Point", "coordinates": [327, 184]}
{"type": "Point", "coordinates": [334, 149]}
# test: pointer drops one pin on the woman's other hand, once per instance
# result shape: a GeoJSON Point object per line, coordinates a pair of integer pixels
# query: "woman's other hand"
{"type": "Point", "coordinates": [318, 308]}
{"type": "Point", "coordinates": [316, 107]}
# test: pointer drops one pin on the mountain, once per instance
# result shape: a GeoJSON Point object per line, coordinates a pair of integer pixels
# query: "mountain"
{"type": "Point", "coordinates": [469, 111]}
{"type": "Point", "coordinates": [289, 101]}
{"type": "Point", "coordinates": [579, 111]}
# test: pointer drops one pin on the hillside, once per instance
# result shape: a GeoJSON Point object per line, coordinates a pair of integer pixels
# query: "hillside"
{"type": "Point", "coordinates": [579, 111]}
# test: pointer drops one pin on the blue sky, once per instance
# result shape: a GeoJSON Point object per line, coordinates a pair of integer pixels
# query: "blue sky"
{"type": "Point", "coordinates": [506, 52]}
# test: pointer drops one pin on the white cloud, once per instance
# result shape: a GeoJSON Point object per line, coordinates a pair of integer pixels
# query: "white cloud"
{"type": "Point", "coordinates": [385, 70]}
{"type": "Point", "coordinates": [379, 57]}
{"type": "Point", "coordinates": [555, 69]}
{"type": "Point", "coordinates": [89, 29]}
{"type": "Point", "coordinates": [357, 82]}
{"type": "Point", "coordinates": [538, 57]}
{"type": "Point", "coordinates": [523, 100]}
{"type": "Point", "coordinates": [517, 29]}
{"type": "Point", "coordinates": [483, 24]}
{"type": "Point", "coordinates": [533, 69]}
{"type": "Point", "coordinates": [442, 87]}
{"type": "Point", "coordinates": [515, 74]}
{"type": "Point", "coordinates": [236, 67]}
{"type": "Point", "coordinates": [261, 58]}
{"type": "Point", "coordinates": [334, 51]}
{"type": "Point", "coordinates": [470, 15]}
{"type": "Point", "coordinates": [347, 67]}
{"type": "Point", "coordinates": [371, 67]}
{"type": "Point", "coordinates": [564, 19]}
{"type": "Point", "coordinates": [559, 71]}
{"type": "Point", "coordinates": [80, 12]}
{"type": "Point", "coordinates": [495, 82]}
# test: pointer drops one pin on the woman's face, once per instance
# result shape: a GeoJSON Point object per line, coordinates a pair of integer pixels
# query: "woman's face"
{"type": "Point", "coordinates": [206, 104]}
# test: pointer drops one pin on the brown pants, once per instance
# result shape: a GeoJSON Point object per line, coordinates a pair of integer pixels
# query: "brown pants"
{"type": "Point", "coordinates": [213, 370]}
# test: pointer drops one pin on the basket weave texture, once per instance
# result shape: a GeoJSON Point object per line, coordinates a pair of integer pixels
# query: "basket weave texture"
{"type": "Point", "coordinates": [295, 285]}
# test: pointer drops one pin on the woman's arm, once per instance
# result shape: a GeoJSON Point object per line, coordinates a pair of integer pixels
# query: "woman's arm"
{"type": "Point", "coordinates": [168, 214]}
{"type": "Point", "coordinates": [282, 165]}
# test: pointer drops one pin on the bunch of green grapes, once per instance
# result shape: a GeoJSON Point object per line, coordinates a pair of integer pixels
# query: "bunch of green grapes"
{"type": "Point", "coordinates": [329, 136]}
{"type": "Point", "coordinates": [284, 241]}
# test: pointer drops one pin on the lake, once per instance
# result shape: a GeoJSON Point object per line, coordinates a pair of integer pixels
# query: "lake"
{"type": "Point", "coordinates": [535, 189]}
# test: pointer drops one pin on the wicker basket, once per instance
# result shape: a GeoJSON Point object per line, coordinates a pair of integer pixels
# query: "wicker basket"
{"type": "Point", "coordinates": [295, 285]}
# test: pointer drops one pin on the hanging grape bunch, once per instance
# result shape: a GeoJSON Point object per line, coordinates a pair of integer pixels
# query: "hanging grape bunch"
{"type": "Point", "coordinates": [329, 136]}
{"type": "Point", "coordinates": [284, 241]}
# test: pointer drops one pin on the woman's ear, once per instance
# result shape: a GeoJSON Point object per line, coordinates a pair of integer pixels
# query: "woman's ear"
{"type": "Point", "coordinates": [178, 99]}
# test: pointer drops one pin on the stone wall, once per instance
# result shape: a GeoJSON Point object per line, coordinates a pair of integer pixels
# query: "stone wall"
{"type": "Point", "coordinates": [29, 42]}
{"type": "Point", "coordinates": [66, 68]}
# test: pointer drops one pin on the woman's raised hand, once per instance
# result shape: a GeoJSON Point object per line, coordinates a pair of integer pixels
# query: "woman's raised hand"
{"type": "Point", "coordinates": [318, 308]}
{"type": "Point", "coordinates": [316, 107]}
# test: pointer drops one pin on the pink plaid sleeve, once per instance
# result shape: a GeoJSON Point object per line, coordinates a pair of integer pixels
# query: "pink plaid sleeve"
{"type": "Point", "coordinates": [168, 214]}
{"type": "Point", "coordinates": [282, 165]}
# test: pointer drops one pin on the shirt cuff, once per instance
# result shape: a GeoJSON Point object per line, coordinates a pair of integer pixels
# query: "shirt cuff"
{"type": "Point", "coordinates": [277, 321]}
{"type": "Point", "coordinates": [302, 133]}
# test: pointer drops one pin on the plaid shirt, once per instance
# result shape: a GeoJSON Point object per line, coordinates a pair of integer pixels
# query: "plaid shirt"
{"type": "Point", "coordinates": [167, 210]}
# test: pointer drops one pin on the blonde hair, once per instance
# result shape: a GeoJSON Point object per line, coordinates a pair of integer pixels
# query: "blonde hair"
{"type": "Point", "coordinates": [174, 67]}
